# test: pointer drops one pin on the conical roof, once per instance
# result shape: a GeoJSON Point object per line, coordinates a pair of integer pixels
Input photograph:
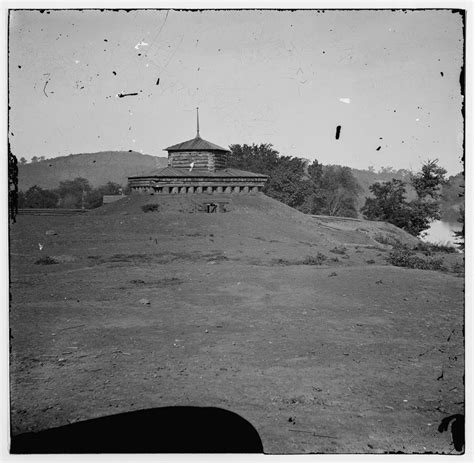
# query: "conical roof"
{"type": "Point", "coordinates": [195, 144]}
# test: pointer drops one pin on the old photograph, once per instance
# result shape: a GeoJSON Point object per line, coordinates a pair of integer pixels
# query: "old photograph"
{"type": "Point", "coordinates": [236, 231]}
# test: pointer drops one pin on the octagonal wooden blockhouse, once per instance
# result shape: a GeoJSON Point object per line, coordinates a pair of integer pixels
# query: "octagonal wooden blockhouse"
{"type": "Point", "coordinates": [197, 166]}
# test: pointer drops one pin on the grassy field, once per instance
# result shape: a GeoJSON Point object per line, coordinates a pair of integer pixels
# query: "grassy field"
{"type": "Point", "coordinates": [298, 324]}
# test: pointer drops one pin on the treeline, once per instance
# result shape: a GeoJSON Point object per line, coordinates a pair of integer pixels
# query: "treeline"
{"type": "Point", "coordinates": [410, 203]}
{"type": "Point", "coordinates": [309, 187]}
{"type": "Point", "coordinates": [70, 194]}
{"type": "Point", "coordinates": [33, 159]}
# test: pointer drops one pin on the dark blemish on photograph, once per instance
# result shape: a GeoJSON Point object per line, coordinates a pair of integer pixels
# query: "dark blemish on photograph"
{"type": "Point", "coordinates": [123, 95]}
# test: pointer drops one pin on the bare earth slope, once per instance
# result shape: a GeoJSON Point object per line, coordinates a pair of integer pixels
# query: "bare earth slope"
{"type": "Point", "coordinates": [344, 356]}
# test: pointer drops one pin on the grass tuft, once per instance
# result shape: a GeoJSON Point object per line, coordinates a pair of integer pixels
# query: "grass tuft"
{"type": "Point", "coordinates": [150, 208]}
{"type": "Point", "coordinates": [46, 260]}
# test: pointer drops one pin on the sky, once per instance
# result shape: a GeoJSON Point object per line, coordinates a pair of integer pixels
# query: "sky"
{"type": "Point", "coordinates": [389, 79]}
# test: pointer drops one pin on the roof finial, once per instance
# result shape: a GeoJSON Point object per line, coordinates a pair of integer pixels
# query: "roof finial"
{"type": "Point", "coordinates": [197, 113]}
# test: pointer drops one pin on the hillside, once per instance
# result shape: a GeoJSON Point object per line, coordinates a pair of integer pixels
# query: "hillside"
{"type": "Point", "coordinates": [98, 168]}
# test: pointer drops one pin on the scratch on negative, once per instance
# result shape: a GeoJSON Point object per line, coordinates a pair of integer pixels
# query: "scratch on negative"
{"type": "Point", "coordinates": [46, 83]}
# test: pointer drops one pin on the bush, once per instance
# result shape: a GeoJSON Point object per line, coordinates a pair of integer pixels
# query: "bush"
{"type": "Point", "coordinates": [458, 267]}
{"type": "Point", "coordinates": [386, 239]}
{"type": "Point", "coordinates": [429, 248]}
{"type": "Point", "coordinates": [308, 260]}
{"type": "Point", "coordinates": [315, 260]}
{"type": "Point", "coordinates": [404, 257]}
{"type": "Point", "coordinates": [280, 261]}
{"type": "Point", "coordinates": [150, 208]}
{"type": "Point", "coordinates": [339, 250]}
{"type": "Point", "coordinates": [370, 261]}
{"type": "Point", "coordinates": [46, 260]}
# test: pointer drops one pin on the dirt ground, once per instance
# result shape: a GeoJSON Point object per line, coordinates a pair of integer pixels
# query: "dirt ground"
{"type": "Point", "coordinates": [350, 355]}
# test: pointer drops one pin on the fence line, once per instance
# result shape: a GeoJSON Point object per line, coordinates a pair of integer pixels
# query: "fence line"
{"type": "Point", "coordinates": [31, 211]}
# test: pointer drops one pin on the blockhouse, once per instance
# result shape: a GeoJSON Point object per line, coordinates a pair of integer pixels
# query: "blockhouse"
{"type": "Point", "coordinates": [197, 166]}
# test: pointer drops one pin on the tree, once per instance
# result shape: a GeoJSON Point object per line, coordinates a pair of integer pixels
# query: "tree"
{"type": "Point", "coordinates": [312, 189]}
{"type": "Point", "coordinates": [94, 197]}
{"type": "Point", "coordinates": [12, 185]}
{"type": "Point", "coordinates": [459, 235]}
{"type": "Point", "coordinates": [386, 170]}
{"type": "Point", "coordinates": [284, 172]}
{"type": "Point", "coordinates": [21, 199]}
{"type": "Point", "coordinates": [73, 193]}
{"type": "Point", "coordinates": [428, 182]}
{"type": "Point", "coordinates": [23, 161]}
{"type": "Point", "coordinates": [34, 159]}
{"type": "Point", "coordinates": [340, 189]}
{"type": "Point", "coordinates": [37, 197]}
{"type": "Point", "coordinates": [328, 190]}
{"type": "Point", "coordinates": [389, 202]}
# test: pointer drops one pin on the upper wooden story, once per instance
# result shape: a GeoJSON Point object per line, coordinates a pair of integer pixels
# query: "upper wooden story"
{"type": "Point", "coordinates": [197, 153]}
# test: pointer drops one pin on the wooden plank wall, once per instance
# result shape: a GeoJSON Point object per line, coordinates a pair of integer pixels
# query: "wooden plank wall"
{"type": "Point", "coordinates": [217, 161]}
{"type": "Point", "coordinates": [203, 160]}
{"type": "Point", "coordinates": [184, 159]}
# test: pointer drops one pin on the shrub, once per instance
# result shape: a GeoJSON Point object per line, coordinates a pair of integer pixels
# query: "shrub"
{"type": "Point", "coordinates": [429, 248]}
{"type": "Point", "coordinates": [46, 260]}
{"type": "Point", "coordinates": [150, 208]}
{"type": "Point", "coordinates": [404, 257]}
{"type": "Point", "coordinates": [338, 250]}
{"type": "Point", "coordinates": [386, 239]}
{"type": "Point", "coordinates": [280, 261]}
{"type": "Point", "coordinates": [314, 260]}
{"type": "Point", "coordinates": [308, 260]}
{"type": "Point", "coordinates": [458, 267]}
{"type": "Point", "coordinates": [370, 261]}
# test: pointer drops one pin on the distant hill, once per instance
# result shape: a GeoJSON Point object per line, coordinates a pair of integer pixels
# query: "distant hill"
{"type": "Point", "coordinates": [98, 168]}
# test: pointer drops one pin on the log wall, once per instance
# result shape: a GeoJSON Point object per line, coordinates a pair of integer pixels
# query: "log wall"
{"type": "Point", "coordinates": [217, 161]}
{"type": "Point", "coordinates": [183, 159]}
{"type": "Point", "coordinates": [203, 160]}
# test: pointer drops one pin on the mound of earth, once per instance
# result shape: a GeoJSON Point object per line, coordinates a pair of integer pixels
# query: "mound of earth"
{"type": "Point", "coordinates": [298, 324]}
{"type": "Point", "coordinates": [259, 207]}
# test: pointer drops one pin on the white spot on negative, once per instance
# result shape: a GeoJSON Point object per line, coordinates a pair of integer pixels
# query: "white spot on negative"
{"type": "Point", "coordinates": [345, 100]}
{"type": "Point", "coordinates": [140, 44]}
